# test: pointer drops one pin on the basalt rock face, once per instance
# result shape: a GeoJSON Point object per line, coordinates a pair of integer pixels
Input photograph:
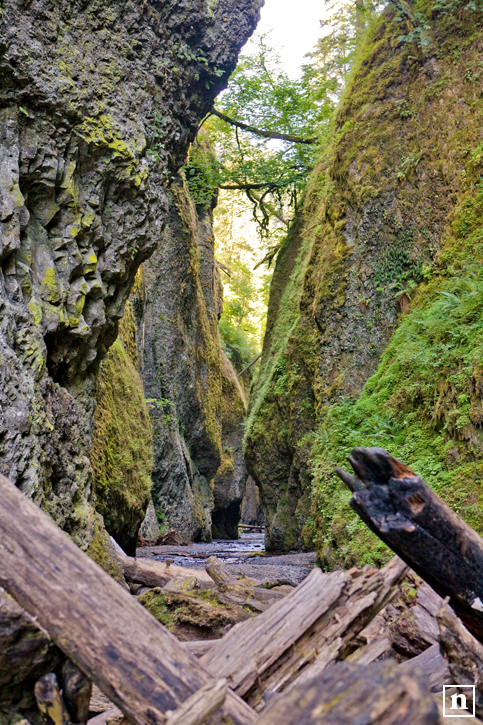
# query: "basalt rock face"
{"type": "Point", "coordinates": [231, 476]}
{"type": "Point", "coordinates": [196, 404]}
{"type": "Point", "coordinates": [98, 103]}
{"type": "Point", "coordinates": [121, 452]}
{"type": "Point", "coordinates": [373, 321]}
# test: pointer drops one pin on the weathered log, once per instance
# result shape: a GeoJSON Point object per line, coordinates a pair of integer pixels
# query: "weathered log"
{"type": "Point", "coordinates": [76, 691]}
{"type": "Point", "coordinates": [49, 701]}
{"type": "Point", "coordinates": [414, 522]}
{"type": "Point", "coordinates": [200, 705]}
{"type": "Point", "coordinates": [99, 702]}
{"type": "Point", "coordinates": [432, 665]}
{"type": "Point", "coordinates": [158, 574]}
{"type": "Point", "coordinates": [348, 694]}
{"type": "Point", "coordinates": [200, 647]}
{"type": "Point", "coordinates": [113, 716]}
{"type": "Point", "coordinates": [139, 665]}
{"type": "Point", "coordinates": [463, 652]}
{"type": "Point", "coordinates": [373, 642]}
{"type": "Point", "coordinates": [334, 636]}
{"type": "Point", "coordinates": [319, 617]}
{"type": "Point", "coordinates": [220, 574]}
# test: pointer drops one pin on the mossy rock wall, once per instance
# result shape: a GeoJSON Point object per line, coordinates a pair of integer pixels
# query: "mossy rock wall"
{"type": "Point", "coordinates": [231, 476]}
{"type": "Point", "coordinates": [191, 388]}
{"type": "Point", "coordinates": [374, 321]}
{"type": "Point", "coordinates": [121, 452]}
{"type": "Point", "coordinates": [99, 102]}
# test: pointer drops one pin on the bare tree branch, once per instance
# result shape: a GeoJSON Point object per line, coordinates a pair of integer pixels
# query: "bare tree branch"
{"type": "Point", "coordinates": [260, 132]}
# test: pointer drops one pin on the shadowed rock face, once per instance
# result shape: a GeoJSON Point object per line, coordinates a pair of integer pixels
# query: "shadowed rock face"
{"type": "Point", "coordinates": [195, 401]}
{"type": "Point", "coordinates": [231, 476]}
{"type": "Point", "coordinates": [98, 102]}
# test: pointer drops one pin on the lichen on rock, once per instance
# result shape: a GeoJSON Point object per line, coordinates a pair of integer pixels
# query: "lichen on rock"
{"type": "Point", "coordinates": [98, 104]}
{"type": "Point", "coordinates": [388, 240]}
{"type": "Point", "coordinates": [195, 401]}
{"type": "Point", "coordinates": [121, 452]}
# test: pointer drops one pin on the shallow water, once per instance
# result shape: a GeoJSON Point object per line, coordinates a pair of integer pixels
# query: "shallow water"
{"type": "Point", "coordinates": [228, 551]}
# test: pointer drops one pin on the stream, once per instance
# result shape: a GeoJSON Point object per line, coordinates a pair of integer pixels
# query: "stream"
{"type": "Point", "coordinates": [244, 556]}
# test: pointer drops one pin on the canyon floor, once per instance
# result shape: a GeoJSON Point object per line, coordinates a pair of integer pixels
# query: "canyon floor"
{"type": "Point", "coordinates": [245, 556]}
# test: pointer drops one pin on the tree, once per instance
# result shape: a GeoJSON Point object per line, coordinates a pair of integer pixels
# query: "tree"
{"type": "Point", "coordinates": [265, 129]}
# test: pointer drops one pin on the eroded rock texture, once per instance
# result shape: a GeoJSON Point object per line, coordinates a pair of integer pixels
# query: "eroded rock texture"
{"type": "Point", "coordinates": [98, 102]}
{"type": "Point", "coordinates": [390, 228]}
{"type": "Point", "coordinates": [196, 403]}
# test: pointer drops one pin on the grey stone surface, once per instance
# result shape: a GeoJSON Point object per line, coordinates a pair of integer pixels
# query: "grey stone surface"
{"type": "Point", "coordinates": [196, 403]}
{"type": "Point", "coordinates": [98, 103]}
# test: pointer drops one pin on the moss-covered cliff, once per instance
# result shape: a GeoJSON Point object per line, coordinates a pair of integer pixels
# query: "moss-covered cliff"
{"type": "Point", "coordinates": [98, 104]}
{"type": "Point", "coordinates": [122, 453]}
{"type": "Point", "coordinates": [195, 402]}
{"type": "Point", "coordinates": [375, 320]}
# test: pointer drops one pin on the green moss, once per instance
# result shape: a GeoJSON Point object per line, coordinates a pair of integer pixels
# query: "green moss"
{"type": "Point", "coordinates": [121, 452]}
{"type": "Point", "coordinates": [102, 130]}
{"type": "Point", "coordinates": [156, 604]}
{"type": "Point", "coordinates": [100, 551]}
{"type": "Point", "coordinates": [35, 309]}
{"type": "Point", "coordinates": [374, 217]}
{"type": "Point", "coordinates": [50, 288]}
{"type": "Point", "coordinates": [424, 404]}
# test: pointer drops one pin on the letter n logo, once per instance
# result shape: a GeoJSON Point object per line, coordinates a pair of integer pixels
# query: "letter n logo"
{"type": "Point", "coordinates": [459, 701]}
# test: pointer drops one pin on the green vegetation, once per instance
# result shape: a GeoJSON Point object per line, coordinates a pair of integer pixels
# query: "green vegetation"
{"type": "Point", "coordinates": [423, 404]}
{"type": "Point", "coordinates": [373, 249]}
{"type": "Point", "coordinates": [121, 452]}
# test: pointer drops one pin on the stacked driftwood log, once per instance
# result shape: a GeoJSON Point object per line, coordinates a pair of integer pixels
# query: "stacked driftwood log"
{"type": "Point", "coordinates": [364, 646]}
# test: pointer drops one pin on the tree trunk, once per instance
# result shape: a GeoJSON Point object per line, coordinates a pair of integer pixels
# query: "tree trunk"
{"type": "Point", "coordinates": [414, 522]}
{"type": "Point", "coordinates": [137, 663]}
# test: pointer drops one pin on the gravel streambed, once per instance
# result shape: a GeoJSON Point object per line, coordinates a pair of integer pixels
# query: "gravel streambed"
{"type": "Point", "coordinates": [245, 556]}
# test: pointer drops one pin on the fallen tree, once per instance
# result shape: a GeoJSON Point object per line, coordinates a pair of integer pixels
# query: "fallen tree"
{"type": "Point", "coordinates": [136, 662]}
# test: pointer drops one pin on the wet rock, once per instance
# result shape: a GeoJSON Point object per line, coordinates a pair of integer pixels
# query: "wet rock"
{"type": "Point", "coordinates": [251, 512]}
{"type": "Point", "coordinates": [195, 402]}
{"type": "Point", "coordinates": [98, 103]}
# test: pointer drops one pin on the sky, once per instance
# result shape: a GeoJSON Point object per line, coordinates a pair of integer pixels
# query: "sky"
{"type": "Point", "coordinates": [295, 28]}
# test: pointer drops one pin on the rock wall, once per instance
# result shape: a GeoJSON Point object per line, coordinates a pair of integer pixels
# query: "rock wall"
{"type": "Point", "coordinates": [122, 452]}
{"type": "Point", "coordinates": [98, 103]}
{"type": "Point", "coordinates": [196, 403]}
{"type": "Point", "coordinates": [380, 276]}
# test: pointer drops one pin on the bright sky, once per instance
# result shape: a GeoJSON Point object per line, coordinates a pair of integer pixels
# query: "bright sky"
{"type": "Point", "coordinates": [295, 26]}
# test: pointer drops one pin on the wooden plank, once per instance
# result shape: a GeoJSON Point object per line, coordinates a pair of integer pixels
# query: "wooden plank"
{"type": "Point", "coordinates": [348, 694]}
{"type": "Point", "coordinates": [137, 663]}
{"type": "Point", "coordinates": [199, 706]}
{"type": "Point", "coordinates": [252, 646]}
{"type": "Point", "coordinates": [415, 523]}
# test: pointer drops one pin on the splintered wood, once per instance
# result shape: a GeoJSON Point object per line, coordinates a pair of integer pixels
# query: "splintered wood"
{"type": "Point", "coordinates": [417, 525]}
{"type": "Point", "coordinates": [307, 659]}
{"type": "Point", "coordinates": [304, 632]}
{"type": "Point", "coordinates": [137, 663]}
{"type": "Point", "coordinates": [349, 694]}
